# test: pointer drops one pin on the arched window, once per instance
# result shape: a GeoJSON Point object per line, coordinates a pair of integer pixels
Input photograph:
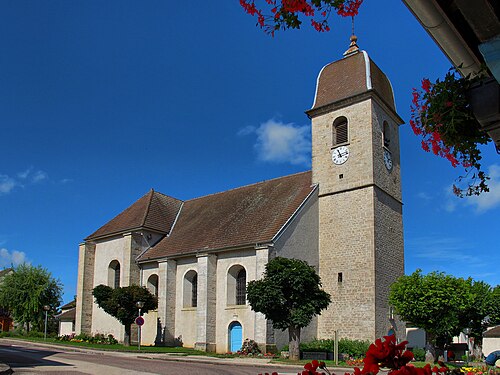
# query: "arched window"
{"type": "Point", "coordinates": [340, 131]}
{"type": "Point", "coordinates": [114, 274]}
{"type": "Point", "coordinates": [236, 285]}
{"type": "Point", "coordinates": [153, 284]}
{"type": "Point", "coordinates": [386, 134]}
{"type": "Point", "coordinates": [190, 295]}
{"type": "Point", "coordinates": [241, 287]}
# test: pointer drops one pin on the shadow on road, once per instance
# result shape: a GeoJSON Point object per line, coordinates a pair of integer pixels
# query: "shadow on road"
{"type": "Point", "coordinates": [16, 357]}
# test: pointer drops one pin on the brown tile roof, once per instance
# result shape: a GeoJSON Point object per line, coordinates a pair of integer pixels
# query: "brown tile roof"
{"type": "Point", "coordinates": [153, 211]}
{"type": "Point", "coordinates": [247, 215]}
{"type": "Point", "coordinates": [69, 305]}
{"type": "Point", "coordinates": [6, 271]}
{"type": "Point", "coordinates": [347, 77]}
{"type": "Point", "coordinates": [493, 332]}
{"type": "Point", "coordinates": [67, 315]}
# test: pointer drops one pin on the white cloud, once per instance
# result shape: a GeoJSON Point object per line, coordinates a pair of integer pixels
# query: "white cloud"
{"type": "Point", "coordinates": [424, 196]}
{"type": "Point", "coordinates": [6, 184]}
{"type": "Point", "coordinates": [491, 199]}
{"type": "Point", "coordinates": [281, 143]}
{"type": "Point", "coordinates": [24, 175]}
{"type": "Point", "coordinates": [23, 178]}
{"type": "Point", "coordinates": [14, 258]}
{"type": "Point", "coordinates": [39, 176]}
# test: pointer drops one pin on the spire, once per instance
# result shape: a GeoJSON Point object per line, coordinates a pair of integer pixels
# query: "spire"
{"type": "Point", "coordinates": [353, 47]}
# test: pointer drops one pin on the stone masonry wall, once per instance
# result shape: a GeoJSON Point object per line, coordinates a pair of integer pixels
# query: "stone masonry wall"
{"type": "Point", "coordinates": [84, 299]}
{"type": "Point", "coordinates": [389, 259]}
{"type": "Point", "coordinates": [347, 247]}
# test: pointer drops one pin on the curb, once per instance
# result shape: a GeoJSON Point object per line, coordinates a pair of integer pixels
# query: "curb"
{"type": "Point", "coordinates": [5, 369]}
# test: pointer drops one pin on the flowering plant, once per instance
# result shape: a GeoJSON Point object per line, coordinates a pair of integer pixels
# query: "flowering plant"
{"type": "Point", "coordinates": [384, 353]}
{"type": "Point", "coordinates": [442, 115]}
{"type": "Point", "coordinates": [286, 14]}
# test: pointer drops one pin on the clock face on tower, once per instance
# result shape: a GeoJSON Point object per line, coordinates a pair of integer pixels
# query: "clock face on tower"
{"type": "Point", "coordinates": [340, 155]}
{"type": "Point", "coordinates": [388, 159]}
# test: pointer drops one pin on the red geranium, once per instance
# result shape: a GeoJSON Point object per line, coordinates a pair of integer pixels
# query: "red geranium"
{"type": "Point", "coordinates": [288, 14]}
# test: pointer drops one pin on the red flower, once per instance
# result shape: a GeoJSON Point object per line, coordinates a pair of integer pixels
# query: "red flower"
{"type": "Point", "coordinates": [426, 85]}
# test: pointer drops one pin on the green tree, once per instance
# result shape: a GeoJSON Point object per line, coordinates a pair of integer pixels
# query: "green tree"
{"type": "Point", "coordinates": [494, 311]}
{"type": "Point", "coordinates": [289, 295]}
{"type": "Point", "coordinates": [120, 303]}
{"type": "Point", "coordinates": [25, 292]}
{"type": "Point", "coordinates": [441, 304]}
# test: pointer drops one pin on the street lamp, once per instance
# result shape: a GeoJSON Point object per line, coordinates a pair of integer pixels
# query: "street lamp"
{"type": "Point", "coordinates": [46, 308]}
{"type": "Point", "coordinates": [467, 332]}
{"type": "Point", "coordinates": [139, 305]}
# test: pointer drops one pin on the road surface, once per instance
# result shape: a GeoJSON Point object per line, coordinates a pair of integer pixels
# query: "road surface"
{"type": "Point", "coordinates": [28, 358]}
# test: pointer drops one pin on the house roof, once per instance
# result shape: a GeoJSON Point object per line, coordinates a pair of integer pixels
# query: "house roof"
{"type": "Point", "coordinates": [5, 272]}
{"type": "Point", "coordinates": [69, 305]}
{"type": "Point", "coordinates": [493, 332]}
{"type": "Point", "coordinates": [154, 211]}
{"type": "Point", "coordinates": [247, 215]}
{"type": "Point", "coordinates": [67, 315]}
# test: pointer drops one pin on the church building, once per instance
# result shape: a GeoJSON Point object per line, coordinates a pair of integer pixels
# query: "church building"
{"type": "Point", "coordinates": [344, 217]}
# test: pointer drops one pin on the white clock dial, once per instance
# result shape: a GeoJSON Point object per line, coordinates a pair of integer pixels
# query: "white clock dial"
{"type": "Point", "coordinates": [388, 159]}
{"type": "Point", "coordinates": [340, 155]}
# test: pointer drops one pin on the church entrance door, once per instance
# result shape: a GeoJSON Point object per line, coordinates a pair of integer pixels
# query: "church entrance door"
{"type": "Point", "coordinates": [235, 336]}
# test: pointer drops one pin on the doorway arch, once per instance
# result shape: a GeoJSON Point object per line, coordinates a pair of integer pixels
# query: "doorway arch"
{"type": "Point", "coordinates": [235, 336]}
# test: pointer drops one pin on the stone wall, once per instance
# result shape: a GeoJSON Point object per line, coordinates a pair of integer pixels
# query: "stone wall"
{"type": "Point", "coordinates": [360, 220]}
{"type": "Point", "coordinates": [85, 284]}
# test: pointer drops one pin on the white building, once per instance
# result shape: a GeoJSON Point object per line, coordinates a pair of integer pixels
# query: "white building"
{"type": "Point", "coordinates": [344, 217]}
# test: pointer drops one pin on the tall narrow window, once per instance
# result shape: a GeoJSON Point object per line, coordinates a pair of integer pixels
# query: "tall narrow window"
{"type": "Point", "coordinates": [340, 131]}
{"type": "Point", "coordinates": [241, 287]}
{"type": "Point", "coordinates": [153, 284]}
{"type": "Point", "coordinates": [386, 134]}
{"type": "Point", "coordinates": [194, 291]}
{"type": "Point", "coordinates": [190, 292]}
{"type": "Point", "coordinates": [114, 274]}
{"type": "Point", "coordinates": [236, 285]}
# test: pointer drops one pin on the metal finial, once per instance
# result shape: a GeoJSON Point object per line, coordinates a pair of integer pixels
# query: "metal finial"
{"type": "Point", "coordinates": [353, 47]}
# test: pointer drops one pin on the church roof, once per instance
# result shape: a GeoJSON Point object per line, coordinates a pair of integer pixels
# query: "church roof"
{"type": "Point", "coordinates": [247, 215]}
{"type": "Point", "coordinates": [349, 77]}
{"type": "Point", "coordinates": [154, 211]}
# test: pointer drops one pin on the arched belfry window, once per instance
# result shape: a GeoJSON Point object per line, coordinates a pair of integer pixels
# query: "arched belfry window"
{"type": "Point", "coordinates": [114, 274]}
{"type": "Point", "coordinates": [237, 285]}
{"type": "Point", "coordinates": [387, 134]}
{"type": "Point", "coordinates": [190, 295]}
{"type": "Point", "coordinates": [340, 131]}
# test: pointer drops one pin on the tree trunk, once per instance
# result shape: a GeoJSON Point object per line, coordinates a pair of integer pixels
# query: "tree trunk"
{"type": "Point", "coordinates": [126, 338]}
{"type": "Point", "coordinates": [294, 342]}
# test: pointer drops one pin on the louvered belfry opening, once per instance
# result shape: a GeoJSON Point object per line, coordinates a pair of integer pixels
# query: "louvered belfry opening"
{"type": "Point", "coordinates": [340, 131]}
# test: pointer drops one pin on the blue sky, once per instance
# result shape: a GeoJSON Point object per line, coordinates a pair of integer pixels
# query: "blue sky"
{"type": "Point", "coordinates": [102, 101]}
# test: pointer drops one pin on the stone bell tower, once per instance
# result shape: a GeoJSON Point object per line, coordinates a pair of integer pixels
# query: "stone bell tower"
{"type": "Point", "coordinates": [356, 162]}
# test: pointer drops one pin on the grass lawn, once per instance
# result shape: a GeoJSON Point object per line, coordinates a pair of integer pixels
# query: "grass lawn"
{"type": "Point", "coordinates": [115, 347]}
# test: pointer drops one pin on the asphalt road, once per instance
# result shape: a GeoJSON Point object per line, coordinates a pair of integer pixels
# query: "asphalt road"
{"type": "Point", "coordinates": [27, 358]}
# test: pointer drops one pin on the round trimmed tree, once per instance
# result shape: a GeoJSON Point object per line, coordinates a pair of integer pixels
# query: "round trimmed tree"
{"type": "Point", "coordinates": [289, 295]}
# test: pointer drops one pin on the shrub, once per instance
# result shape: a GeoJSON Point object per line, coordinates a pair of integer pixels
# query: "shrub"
{"type": "Point", "coordinates": [352, 349]}
{"type": "Point", "coordinates": [249, 347]}
{"type": "Point", "coordinates": [419, 354]}
{"type": "Point", "coordinates": [98, 338]}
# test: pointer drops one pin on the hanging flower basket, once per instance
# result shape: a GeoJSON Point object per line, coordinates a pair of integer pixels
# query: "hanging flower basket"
{"type": "Point", "coordinates": [442, 114]}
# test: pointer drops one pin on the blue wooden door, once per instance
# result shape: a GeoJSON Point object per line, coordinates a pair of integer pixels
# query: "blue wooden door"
{"type": "Point", "coordinates": [235, 337]}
